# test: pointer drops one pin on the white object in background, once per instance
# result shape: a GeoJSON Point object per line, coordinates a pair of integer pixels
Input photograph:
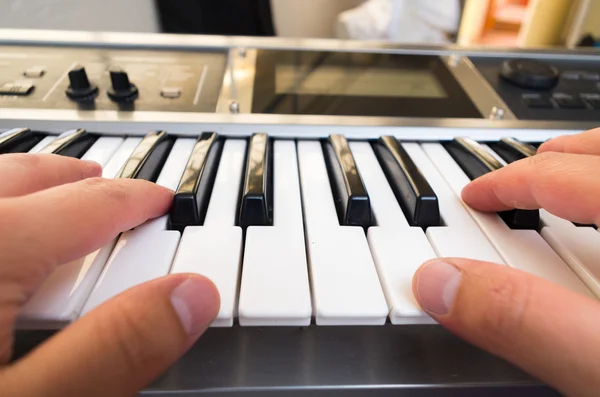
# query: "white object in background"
{"type": "Point", "coordinates": [86, 15]}
{"type": "Point", "coordinates": [401, 21]}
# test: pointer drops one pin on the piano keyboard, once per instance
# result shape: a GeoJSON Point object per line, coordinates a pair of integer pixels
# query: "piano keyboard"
{"type": "Point", "coordinates": [300, 231]}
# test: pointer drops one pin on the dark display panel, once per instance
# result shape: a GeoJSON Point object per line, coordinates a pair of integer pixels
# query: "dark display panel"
{"type": "Point", "coordinates": [357, 84]}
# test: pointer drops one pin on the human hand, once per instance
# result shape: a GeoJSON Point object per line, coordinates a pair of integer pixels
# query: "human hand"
{"type": "Point", "coordinates": [548, 331]}
{"type": "Point", "coordinates": [53, 210]}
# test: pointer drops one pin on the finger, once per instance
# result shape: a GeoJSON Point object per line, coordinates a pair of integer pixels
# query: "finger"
{"type": "Point", "coordinates": [532, 323]}
{"type": "Point", "coordinates": [550, 180]}
{"type": "Point", "coordinates": [27, 173]}
{"type": "Point", "coordinates": [57, 225]}
{"type": "Point", "coordinates": [123, 345]}
{"type": "Point", "coordinates": [584, 143]}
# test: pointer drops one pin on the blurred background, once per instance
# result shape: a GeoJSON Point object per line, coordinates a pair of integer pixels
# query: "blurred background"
{"type": "Point", "coordinates": [504, 23]}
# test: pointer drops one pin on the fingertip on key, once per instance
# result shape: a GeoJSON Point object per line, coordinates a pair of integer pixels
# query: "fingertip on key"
{"type": "Point", "coordinates": [92, 168]}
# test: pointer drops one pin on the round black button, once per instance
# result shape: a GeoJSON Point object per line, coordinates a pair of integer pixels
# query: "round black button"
{"type": "Point", "coordinates": [529, 74]}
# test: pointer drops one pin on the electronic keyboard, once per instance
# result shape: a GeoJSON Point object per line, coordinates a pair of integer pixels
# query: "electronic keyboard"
{"type": "Point", "coordinates": [311, 179]}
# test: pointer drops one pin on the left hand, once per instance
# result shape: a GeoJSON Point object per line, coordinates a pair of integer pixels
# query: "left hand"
{"type": "Point", "coordinates": [55, 209]}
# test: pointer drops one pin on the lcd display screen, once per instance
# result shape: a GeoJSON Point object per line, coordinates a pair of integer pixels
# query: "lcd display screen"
{"type": "Point", "coordinates": [357, 81]}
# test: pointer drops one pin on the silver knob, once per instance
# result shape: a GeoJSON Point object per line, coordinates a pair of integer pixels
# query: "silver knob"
{"type": "Point", "coordinates": [234, 107]}
{"type": "Point", "coordinates": [497, 113]}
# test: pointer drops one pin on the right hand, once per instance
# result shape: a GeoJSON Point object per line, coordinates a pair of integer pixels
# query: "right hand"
{"type": "Point", "coordinates": [548, 331]}
{"type": "Point", "coordinates": [53, 210]}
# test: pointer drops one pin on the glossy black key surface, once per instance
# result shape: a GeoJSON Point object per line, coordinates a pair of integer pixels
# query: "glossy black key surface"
{"type": "Point", "coordinates": [151, 168]}
{"type": "Point", "coordinates": [193, 193]}
{"type": "Point", "coordinates": [19, 140]}
{"type": "Point", "coordinates": [416, 197]}
{"type": "Point", "coordinates": [349, 194]}
{"type": "Point", "coordinates": [148, 157]}
{"type": "Point", "coordinates": [256, 204]}
{"type": "Point", "coordinates": [350, 361]}
{"type": "Point", "coordinates": [475, 161]}
{"type": "Point", "coordinates": [72, 143]}
{"type": "Point", "coordinates": [511, 149]}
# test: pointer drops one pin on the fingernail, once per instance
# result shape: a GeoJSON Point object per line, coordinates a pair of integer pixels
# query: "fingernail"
{"type": "Point", "coordinates": [94, 163]}
{"type": "Point", "coordinates": [437, 285]}
{"type": "Point", "coordinates": [97, 167]}
{"type": "Point", "coordinates": [196, 303]}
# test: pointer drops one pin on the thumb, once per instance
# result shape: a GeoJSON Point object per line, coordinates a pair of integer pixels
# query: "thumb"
{"type": "Point", "coordinates": [123, 345]}
{"type": "Point", "coordinates": [546, 330]}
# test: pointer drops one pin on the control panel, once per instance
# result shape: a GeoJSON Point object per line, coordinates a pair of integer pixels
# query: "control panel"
{"type": "Point", "coordinates": [298, 83]}
{"type": "Point", "coordinates": [99, 79]}
{"type": "Point", "coordinates": [558, 89]}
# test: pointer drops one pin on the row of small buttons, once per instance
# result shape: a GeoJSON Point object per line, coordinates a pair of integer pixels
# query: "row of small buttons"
{"type": "Point", "coordinates": [580, 75]}
{"type": "Point", "coordinates": [562, 100]}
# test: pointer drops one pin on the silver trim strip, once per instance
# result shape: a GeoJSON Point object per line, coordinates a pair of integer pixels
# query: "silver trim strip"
{"type": "Point", "coordinates": [291, 126]}
{"type": "Point", "coordinates": [238, 81]}
{"type": "Point", "coordinates": [476, 86]}
{"type": "Point", "coordinates": [181, 41]}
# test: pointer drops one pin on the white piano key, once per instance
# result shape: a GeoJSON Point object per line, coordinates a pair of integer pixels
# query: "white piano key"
{"type": "Point", "coordinates": [5, 133]}
{"type": "Point", "coordinates": [398, 253]}
{"type": "Point", "coordinates": [461, 237]}
{"type": "Point", "coordinates": [384, 204]}
{"type": "Point", "coordinates": [345, 285]}
{"type": "Point", "coordinates": [522, 249]}
{"type": "Point", "coordinates": [42, 144]}
{"type": "Point", "coordinates": [398, 249]}
{"type": "Point", "coordinates": [214, 250]}
{"type": "Point", "coordinates": [222, 209]}
{"type": "Point", "coordinates": [580, 248]}
{"type": "Point", "coordinates": [113, 166]}
{"type": "Point", "coordinates": [171, 173]}
{"type": "Point", "coordinates": [103, 149]}
{"type": "Point", "coordinates": [61, 297]}
{"type": "Point", "coordinates": [274, 286]}
{"type": "Point", "coordinates": [139, 256]}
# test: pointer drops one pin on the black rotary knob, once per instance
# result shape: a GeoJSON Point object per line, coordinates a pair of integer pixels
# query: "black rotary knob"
{"type": "Point", "coordinates": [529, 74]}
{"type": "Point", "coordinates": [122, 90]}
{"type": "Point", "coordinates": [80, 89]}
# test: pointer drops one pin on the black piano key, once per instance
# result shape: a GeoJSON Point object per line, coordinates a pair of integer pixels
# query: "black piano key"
{"type": "Point", "coordinates": [146, 153]}
{"type": "Point", "coordinates": [475, 161]}
{"type": "Point", "coordinates": [19, 140]}
{"type": "Point", "coordinates": [511, 149]}
{"type": "Point", "coordinates": [193, 193]}
{"type": "Point", "coordinates": [416, 197]}
{"type": "Point", "coordinates": [72, 143]}
{"type": "Point", "coordinates": [350, 196]}
{"type": "Point", "coordinates": [151, 168]}
{"type": "Point", "coordinates": [256, 204]}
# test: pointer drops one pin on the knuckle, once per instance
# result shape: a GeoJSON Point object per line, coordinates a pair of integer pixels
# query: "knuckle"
{"type": "Point", "coordinates": [130, 333]}
{"type": "Point", "coordinates": [23, 160]}
{"type": "Point", "coordinates": [111, 190]}
{"type": "Point", "coordinates": [507, 306]}
{"type": "Point", "coordinates": [543, 161]}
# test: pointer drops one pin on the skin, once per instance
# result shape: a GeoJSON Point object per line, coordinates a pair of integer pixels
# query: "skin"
{"type": "Point", "coordinates": [546, 330]}
{"type": "Point", "coordinates": [124, 344]}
